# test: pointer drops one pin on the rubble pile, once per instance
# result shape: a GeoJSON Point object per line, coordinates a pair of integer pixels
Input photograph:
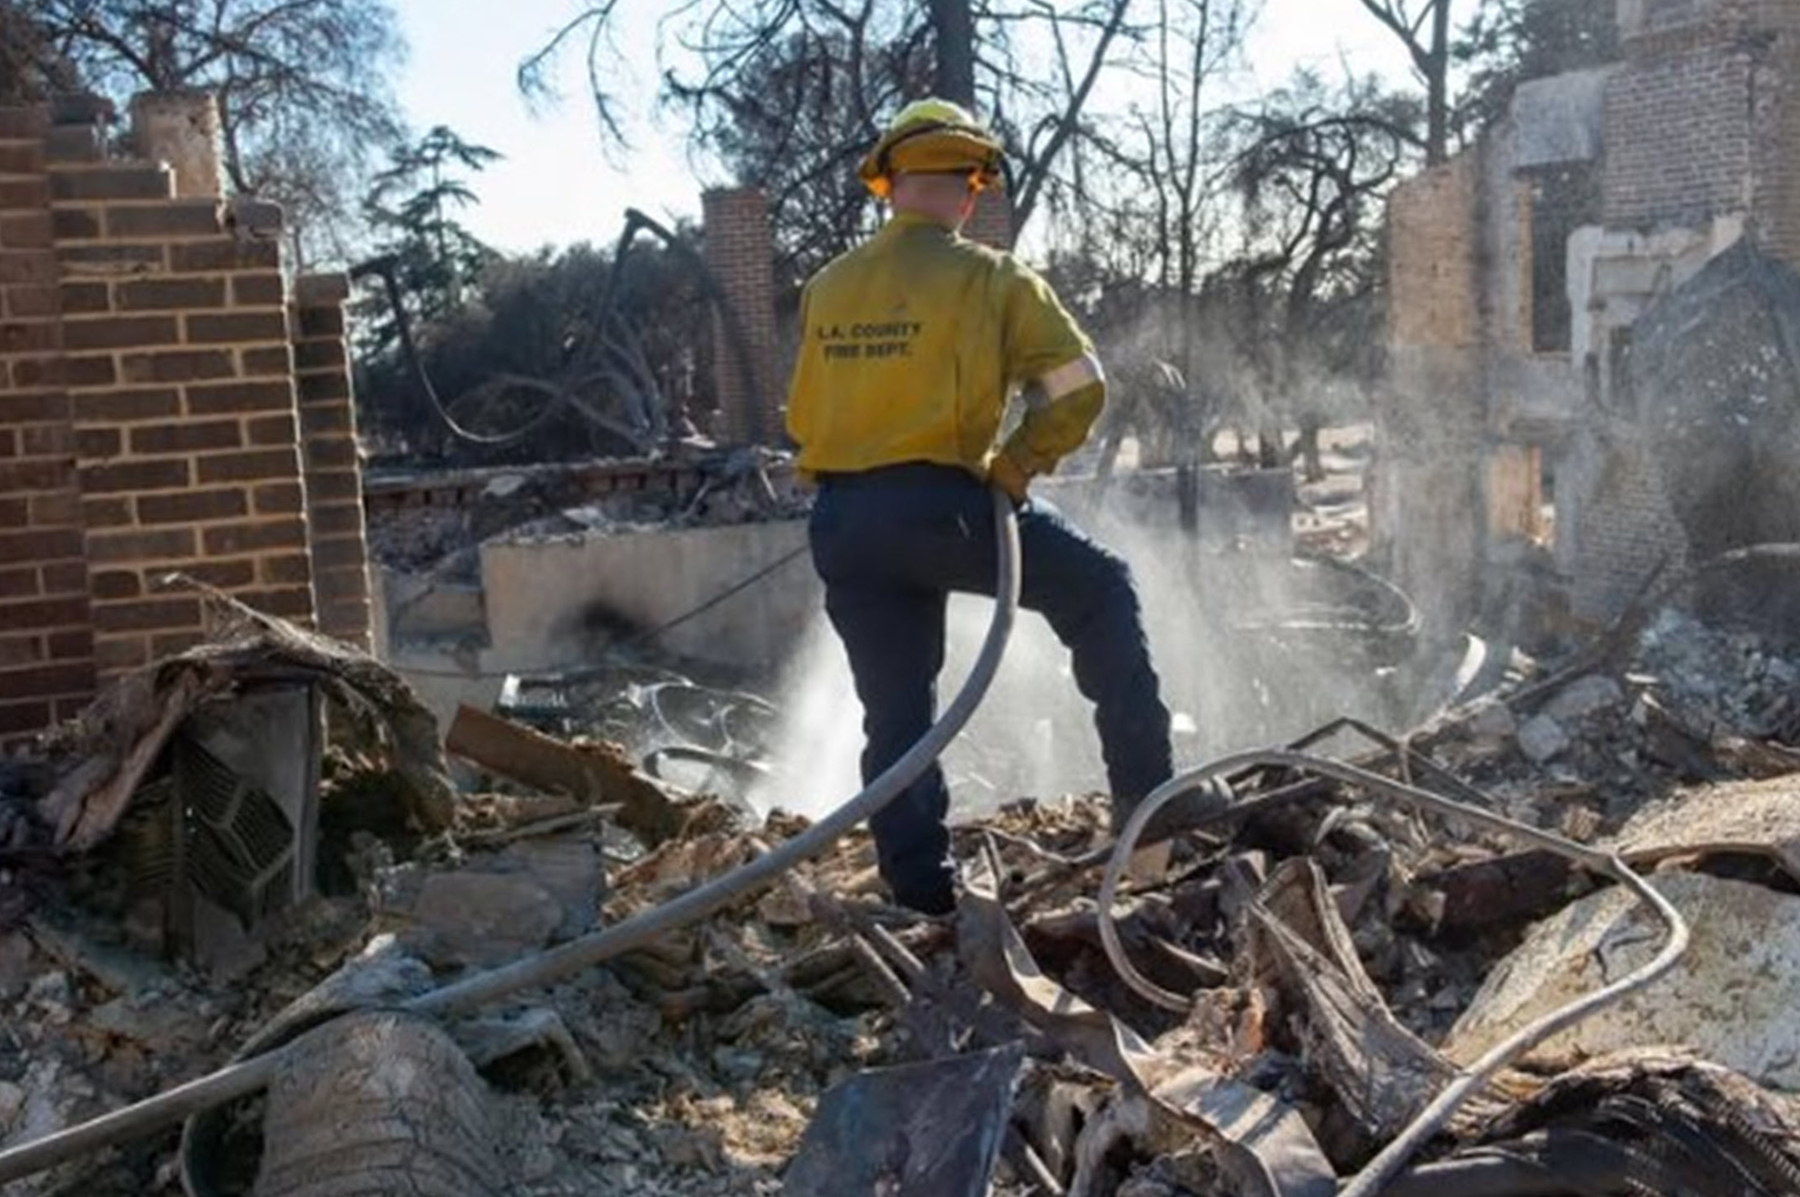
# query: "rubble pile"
{"type": "Point", "coordinates": [1296, 976]}
{"type": "Point", "coordinates": [727, 487]}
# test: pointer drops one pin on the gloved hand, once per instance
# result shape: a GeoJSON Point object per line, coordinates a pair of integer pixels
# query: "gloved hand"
{"type": "Point", "coordinates": [1009, 476]}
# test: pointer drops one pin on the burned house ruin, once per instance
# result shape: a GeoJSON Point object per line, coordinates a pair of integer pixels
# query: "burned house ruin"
{"type": "Point", "coordinates": [1591, 326]}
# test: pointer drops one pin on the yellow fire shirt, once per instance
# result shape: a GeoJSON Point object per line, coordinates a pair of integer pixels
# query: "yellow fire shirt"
{"type": "Point", "coordinates": [910, 346]}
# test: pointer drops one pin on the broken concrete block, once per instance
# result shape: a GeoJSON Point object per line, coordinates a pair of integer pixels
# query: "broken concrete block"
{"type": "Point", "coordinates": [482, 919]}
{"type": "Point", "coordinates": [1541, 738]}
{"type": "Point", "coordinates": [1584, 696]}
{"type": "Point", "coordinates": [568, 869]}
{"type": "Point", "coordinates": [1731, 997]}
{"type": "Point", "coordinates": [1493, 721]}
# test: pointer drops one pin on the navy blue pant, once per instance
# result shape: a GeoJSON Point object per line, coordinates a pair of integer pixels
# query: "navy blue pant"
{"type": "Point", "coordinates": [890, 546]}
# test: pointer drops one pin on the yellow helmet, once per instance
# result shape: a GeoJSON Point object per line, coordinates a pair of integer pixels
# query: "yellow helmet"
{"type": "Point", "coordinates": [932, 136]}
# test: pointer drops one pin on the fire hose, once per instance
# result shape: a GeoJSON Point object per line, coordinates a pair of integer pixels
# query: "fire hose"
{"type": "Point", "coordinates": [249, 1076]}
{"type": "Point", "coordinates": [1378, 1171]}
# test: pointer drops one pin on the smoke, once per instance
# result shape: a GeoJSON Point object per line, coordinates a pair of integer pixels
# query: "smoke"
{"type": "Point", "coordinates": [1232, 675]}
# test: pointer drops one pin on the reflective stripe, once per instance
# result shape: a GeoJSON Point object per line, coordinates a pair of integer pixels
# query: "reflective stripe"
{"type": "Point", "coordinates": [1072, 377]}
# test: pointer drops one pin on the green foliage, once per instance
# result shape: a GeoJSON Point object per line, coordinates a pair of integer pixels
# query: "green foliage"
{"type": "Point", "coordinates": [412, 208]}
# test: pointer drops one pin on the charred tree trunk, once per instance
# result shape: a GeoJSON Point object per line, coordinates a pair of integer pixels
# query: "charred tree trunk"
{"type": "Point", "coordinates": [953, 27]}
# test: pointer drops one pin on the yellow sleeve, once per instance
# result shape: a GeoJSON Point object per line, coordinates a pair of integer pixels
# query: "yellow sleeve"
{"type": "Point", "coordinates": [799, 402]}
{"type": "Point", "coordinates": [1047, 352]}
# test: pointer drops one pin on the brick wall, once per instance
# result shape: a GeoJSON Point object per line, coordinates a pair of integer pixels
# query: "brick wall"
{"type": "Point", "coordinates": [46, 639]}
{"type": "Point", "coordinates": [334, 505]}
{"type": "Point", "coordinates": [740, 252]}
{"type": "Point", "coordinates": [1678, 137]}
{"type": "Point", "coordinates": [992, 223]}
{"type": "Point", "coordinates": [149, 419]}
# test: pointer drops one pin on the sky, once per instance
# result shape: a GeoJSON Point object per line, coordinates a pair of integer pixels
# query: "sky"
{"type": "Point", "coordinates": [558, 185]}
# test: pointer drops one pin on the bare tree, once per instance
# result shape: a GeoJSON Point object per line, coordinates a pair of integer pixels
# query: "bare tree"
{"type": "Point", "coordinates": [1313, 167]}
{"type": "Point", "coordinates": [301, 86]}
{"type": "Point", "coordinates": [790, 92]}
{"type": "Point", "coordinates": [1425, 32]}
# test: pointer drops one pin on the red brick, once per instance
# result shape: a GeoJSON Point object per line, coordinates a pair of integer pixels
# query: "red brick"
{"type": "Point", "coordinates": [23, 717]}
{"type": "Point", "coordinates": [321, 418]}
{"type": "Point", "coordinates": [194, 506]}
{"type": "Point", "coordinates": [106, 513]}
{"type": "Point", "coordinates": [111, 260]}
{"type": "Point", "coordinates": [77, 298]}
{"type": "Point", "coordinates": [64, 678]}
{"type": "Point", "coordinates": [33, 336]}
{"type": "Point", "coordinates": [319, 355]}
{"type": "Point", "coordinates": [168, 294]}
{"type": "Point", "coordinates": [26, 230]}
{"type": "Point", "coordinates": [34, 475]}
{"type": "Point", "coordinates": [116, 584]}
{"type": "Point", "coordinates": [253, 290]}
{"type": "Point", "coordinates": [91, 443]}
{"type": "Point", "coordinates": [125, 476]}
{"type": "Point", "coordinates": [269, 360]}
{"type": "Point", "coordinates": [172, 644]}
{"type": "Point", "coordinates": [146, 615]}
{"type": "Point", "coordinates": [44, 544]}
{"type": "Point", "coordinates": [94, 370]}
{"type": "Point", "coordinates": [182, 218]}
{"type": "Point", "coordinates": [15, 513]}
{"type": "Point", "coordinates": [65, 646]}
{"type": "Point", "coordinates": [233, 539]}
{"type": "Point", "coordinates": [65, 577]}
{"type": "Point", "coordinates": [27, 266]}
{"type": "Point", "coordinates": [294, 569]}
{"type": "Point", "coordinates": [183, 365]}
{"type": "Point", "coordinates": [322, 322]}
{"type": "Point", "coordinates": [76, 224]}
{"type": "Point", "coordinates": [47, 440]}
{"type": "Point", "coordinates": [333, 485]}
{"type": "Point", "coordinates": [288, 604]}
{"type": "Point", "coordinates": [188, 437]}
{"type": "Point", "coordinates": [218, 399]}
{"type": "Point", "coordinates": [121, 332]}
{"type": "Point", "coordinates": [233, 327]}
{"type": "Point", "coordinates": [347, 551]}
{"type": "Point", "coordinates": [315, 388]}
{"type": "Point", "coordinates": [9, 446]}
{"type": "Point", "coordinates": [273, 430]}
{"type": "Point", "coordinates": [56, 507]}
{"type": "Point", "coordinates": [335, 519]}
{"type": "Point", "coordinates": [32, 407]}
{"type": "Point", "coordinates": [16, 194]}
{"type": "Point", "coordinates": [341, 584]}
{"type": "Point", "coordinates": [45, 613]}
{"type": "Point", "coordinates": [113, 182]}
{"type": "Point", "coordinates": [113, 654]}
{"type": "Point", "coordinates": [330, 453]}
{"type": "Point", "coordinates": [19, 583]}
{"type": "Point", "coordinates": [226, 575]}
{"type": "Point", "coordinates": [224, 253]}
{"type": "Point", "coordinates": [126, 406]}
{"type": "Point", "coordinates": [279, 498]}
{"type": "Point", "coordinates": [19, 651]}
{"type": "Point", "coordinates": [21, 158]}
{"type": "Point", "coordinates": [24, 122]}
{"type": "Point", "coordinates": [249, 466]}
{"type": "Point", "coordinates": [33, 301]}
{"type": "Point", "coordinates": [163, 544]}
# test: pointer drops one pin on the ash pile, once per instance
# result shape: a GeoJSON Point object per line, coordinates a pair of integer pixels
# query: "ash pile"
{"type": "Point", "coordinates": [1356, 977]}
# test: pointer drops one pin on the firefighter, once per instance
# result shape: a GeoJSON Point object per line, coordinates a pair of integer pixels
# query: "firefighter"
{"type": "Point", "coordinates": [911, 346]}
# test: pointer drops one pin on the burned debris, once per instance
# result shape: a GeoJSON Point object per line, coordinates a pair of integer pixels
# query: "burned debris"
{"type": "Point", "coordinates": [1272, 1011]}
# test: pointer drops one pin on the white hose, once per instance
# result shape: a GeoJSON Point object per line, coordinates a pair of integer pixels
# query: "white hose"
{"type": "Point", "coordinates": [1394, 1156]}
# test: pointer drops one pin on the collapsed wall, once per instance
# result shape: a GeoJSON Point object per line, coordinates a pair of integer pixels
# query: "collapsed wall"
{"type": "Point", "coordinates": [171, 400]}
